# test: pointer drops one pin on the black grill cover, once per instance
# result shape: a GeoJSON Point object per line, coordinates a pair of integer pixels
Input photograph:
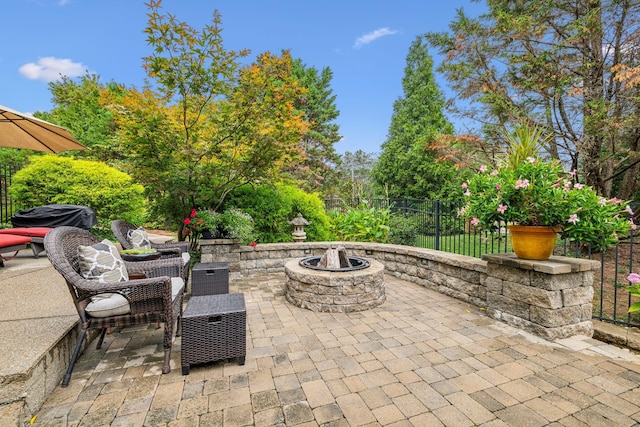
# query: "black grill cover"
{"type": "Point", "coordinates": [55, 216]}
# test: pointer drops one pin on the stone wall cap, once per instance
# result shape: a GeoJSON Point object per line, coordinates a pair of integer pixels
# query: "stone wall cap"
{"type": "Point", "coordinates": [554, 265]}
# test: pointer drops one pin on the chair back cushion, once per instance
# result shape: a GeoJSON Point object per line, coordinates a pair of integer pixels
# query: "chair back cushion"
{"type": "Point", "coordinates": [102, 262]}
{"type": "Point", "coordinates": [139, 238]}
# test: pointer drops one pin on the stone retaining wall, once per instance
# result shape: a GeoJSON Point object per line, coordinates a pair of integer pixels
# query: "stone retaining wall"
{"type": "Point", "coordinates": [551, 298]}
{"type": "Point", "coordinates": [459, 276]}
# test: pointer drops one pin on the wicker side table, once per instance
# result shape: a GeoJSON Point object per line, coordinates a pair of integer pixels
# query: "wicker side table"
{"type": "Point", "coordinates": [209, 278]}
{"type": "Point", "coordinates": [214, 328]}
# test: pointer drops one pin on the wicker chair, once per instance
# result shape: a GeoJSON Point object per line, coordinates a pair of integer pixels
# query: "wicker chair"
{"type": "Point", "coordinates": [149, 291]}
{"type": "Point", "coordinates": [171, 249]}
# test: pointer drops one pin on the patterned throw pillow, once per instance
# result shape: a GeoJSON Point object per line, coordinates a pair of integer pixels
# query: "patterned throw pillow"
{"type": "Point", "coordinates": [102, 262]}
{"type": "Point", "coordinates": [139, 238]}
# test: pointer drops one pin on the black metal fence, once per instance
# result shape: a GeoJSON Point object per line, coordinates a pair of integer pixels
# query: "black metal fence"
{"type": "Point", "coordinates": [440, 228]}
{"type": "Point", "coordinates": [6, 205]}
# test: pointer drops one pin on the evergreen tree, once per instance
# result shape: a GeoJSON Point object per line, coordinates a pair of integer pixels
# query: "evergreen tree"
{"type": "Point", "coordinates": [407, 167]}
{"type": "Point", "coordinates": [315, 172]}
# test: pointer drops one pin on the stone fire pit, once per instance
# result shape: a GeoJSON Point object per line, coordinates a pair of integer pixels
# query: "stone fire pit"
{"type": "Point", "coordinates": [334, 290]}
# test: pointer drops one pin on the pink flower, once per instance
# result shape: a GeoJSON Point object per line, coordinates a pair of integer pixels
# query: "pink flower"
{"type": "Point", "coordinates": [253, 245]}
{"type": "Point", "coordinates": [573, 218]}
{"type": "Point", "coordinates": [578, 186]}
{"type": "Point", "coordinates": [187, 221]}
{"type": "Point", "coordinates": [193, 213]}
{"type": "Point", "coordinates": [633, 278]}
{"type": "Point", "coordinates": [483, 168]}
{"type": "Point", "coordinates": [494, 172]}
{"type": "Point", "coordinates": [498, 187]}
{"type": "Point", "coordinates": [614, 200]}
{"type": "Point", "coordinates": [629, 210]}
{"type": "Point", "coordinates": [572, 173]}
{"type": "Point", "coordinates": [465, 185]}
{"type": "Point", "coordinates": [475, 221]}
{"type": "Point", "coordinates": [531, 159]}
{"type": "Point", "coordinates": [467, 193]}
{"type": "Point", "coordinates": [502, 208]}
{"type": "Point", "coordinates": [522, 183]}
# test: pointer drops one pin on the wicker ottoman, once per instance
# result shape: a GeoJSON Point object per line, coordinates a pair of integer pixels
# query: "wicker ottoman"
{"type": "Point", "coordinates": [214, 328]}
{"type": "Point", "coordinates": [210, 278]}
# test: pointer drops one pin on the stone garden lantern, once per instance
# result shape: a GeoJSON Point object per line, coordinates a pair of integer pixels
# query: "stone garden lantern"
{"type": "Point", "coordinates": [298, 228]}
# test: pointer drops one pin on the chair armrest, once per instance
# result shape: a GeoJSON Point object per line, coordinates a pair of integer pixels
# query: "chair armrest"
{"type": "Point", "coordinates": [169, 252]}
{"type": "Point", "coordinates": [182, 246]}
{"type": "Point", "coordinates": [172, 267]}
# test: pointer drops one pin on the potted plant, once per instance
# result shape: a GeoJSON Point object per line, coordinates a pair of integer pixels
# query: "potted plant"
{"type": "Point", "coordinates": [230, 224]}
{"type": "Point", "coordinates": [527, 191]}
{"type": "Point", "coordinates": [236, 224]}
{"type": "Point", "coordinates": [201, 223]}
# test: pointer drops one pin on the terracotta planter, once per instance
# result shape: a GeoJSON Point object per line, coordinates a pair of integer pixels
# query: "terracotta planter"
{"type": "Point", "coordinates": [532, 242]}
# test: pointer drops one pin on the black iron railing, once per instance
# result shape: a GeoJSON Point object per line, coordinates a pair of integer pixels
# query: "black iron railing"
{"type": "Point", "coordinates": [439, 227]}
{"type": "Point", "coordinates": [6, 205]}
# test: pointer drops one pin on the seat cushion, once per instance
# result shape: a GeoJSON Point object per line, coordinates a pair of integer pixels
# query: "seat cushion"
{"type": "Point", "coordinates": [27, 231]}
{"type": "Point", "coordinates": [139, 238]}
{"type": "Point", "coordinates": [114, 304]}
{"type": "Point", "coordinates": [186, 258]}
{"type": "Point", "coordinates": [108, 304]}
{"type": "Point", "coordinates": [176, 286]}
{"type": "Point", "coordinates": [7, 240]}
{"type": "Point", "coordinates": [102, 262]}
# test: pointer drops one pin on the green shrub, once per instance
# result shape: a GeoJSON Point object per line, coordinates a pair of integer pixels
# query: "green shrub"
{"type": "Point", "coordinates": [363, 224]}
{"type": "Point", "coordinates": [272, 207]}
{"type": "Point", "coordinates": [403, 229]}
{"type": "Point", "coordinates": [60, 180]}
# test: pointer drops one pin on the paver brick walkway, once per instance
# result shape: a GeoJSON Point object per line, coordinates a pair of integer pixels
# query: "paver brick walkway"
{"type": "Point", "coordinates": [419, 359]}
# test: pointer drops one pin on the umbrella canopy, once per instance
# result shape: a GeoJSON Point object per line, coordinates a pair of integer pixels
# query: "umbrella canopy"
{"type": "Point", "coordinates": [18, 130]}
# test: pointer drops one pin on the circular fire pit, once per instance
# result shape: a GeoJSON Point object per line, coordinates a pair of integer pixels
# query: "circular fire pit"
{"type": "Point", "coordinates": [335, 290]}
{"type": "Point", "coordinates": [355, 263]}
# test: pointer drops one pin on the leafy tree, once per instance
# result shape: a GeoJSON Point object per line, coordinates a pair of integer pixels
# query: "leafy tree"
{"type": "Point", "coordinates": [355, 171]}
{"type": "Point", "coordinates": [77, 108]}
{"type": "Point", "coordinates": [407, 167]}
{"type": "Point", "coordinates": [554, 65]}
{"type": "Point", "coordinates": [209, 125]}
{"type": "Point", "coordinates": [314, 171]}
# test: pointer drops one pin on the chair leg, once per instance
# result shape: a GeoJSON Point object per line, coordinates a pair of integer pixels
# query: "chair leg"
{"type": "Point", "coordinates": [74, 357]}
{"type": "Point", "coordinates": [101, 338]}
{"type": "Point", "coordinates": [166, 368]}
{"type": "Point", "coordinates": [179, 327]}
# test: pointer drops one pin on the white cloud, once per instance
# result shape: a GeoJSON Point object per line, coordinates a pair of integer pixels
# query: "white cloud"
{"type": "Point", "coordinates": [374, 35]}
{"type": "Point", "coordinates": [50, 69]}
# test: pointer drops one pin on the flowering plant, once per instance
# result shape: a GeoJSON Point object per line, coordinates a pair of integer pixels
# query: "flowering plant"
{"type": "Point", "coordinates": [535, 192]}
{"type": "Point", "coordinates": [199, 220]}
{"type": "Point", "coordinates": [230, 224]}
{"type": "Point", "coordinates": [634, 289]}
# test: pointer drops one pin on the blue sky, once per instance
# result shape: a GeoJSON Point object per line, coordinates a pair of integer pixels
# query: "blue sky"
{"type": "Point", "coordinates": [364, 42]}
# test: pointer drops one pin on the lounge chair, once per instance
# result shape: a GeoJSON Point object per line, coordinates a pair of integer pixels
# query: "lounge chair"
{"type": "Point", "coordinates": [123, 231]}
{"type": "Point", "coordinates": [153, 292]}
{"type": "Point", "coordinates": [35, 233]}
{"type": "Point", "coordinates": [12, 243]}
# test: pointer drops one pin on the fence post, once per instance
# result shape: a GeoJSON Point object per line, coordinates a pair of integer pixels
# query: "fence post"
{"type": "Point", "coordinates": [437, 225]}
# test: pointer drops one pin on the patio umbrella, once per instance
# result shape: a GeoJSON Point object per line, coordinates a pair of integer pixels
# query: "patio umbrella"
{"type": "Point", "coordinates": [18, 130]}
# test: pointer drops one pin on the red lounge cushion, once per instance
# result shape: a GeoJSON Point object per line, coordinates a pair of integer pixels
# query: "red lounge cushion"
{"type": "Point", "coordinates": [27, 231]}
{"type": "Point", "coordinates": [7, 240]}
